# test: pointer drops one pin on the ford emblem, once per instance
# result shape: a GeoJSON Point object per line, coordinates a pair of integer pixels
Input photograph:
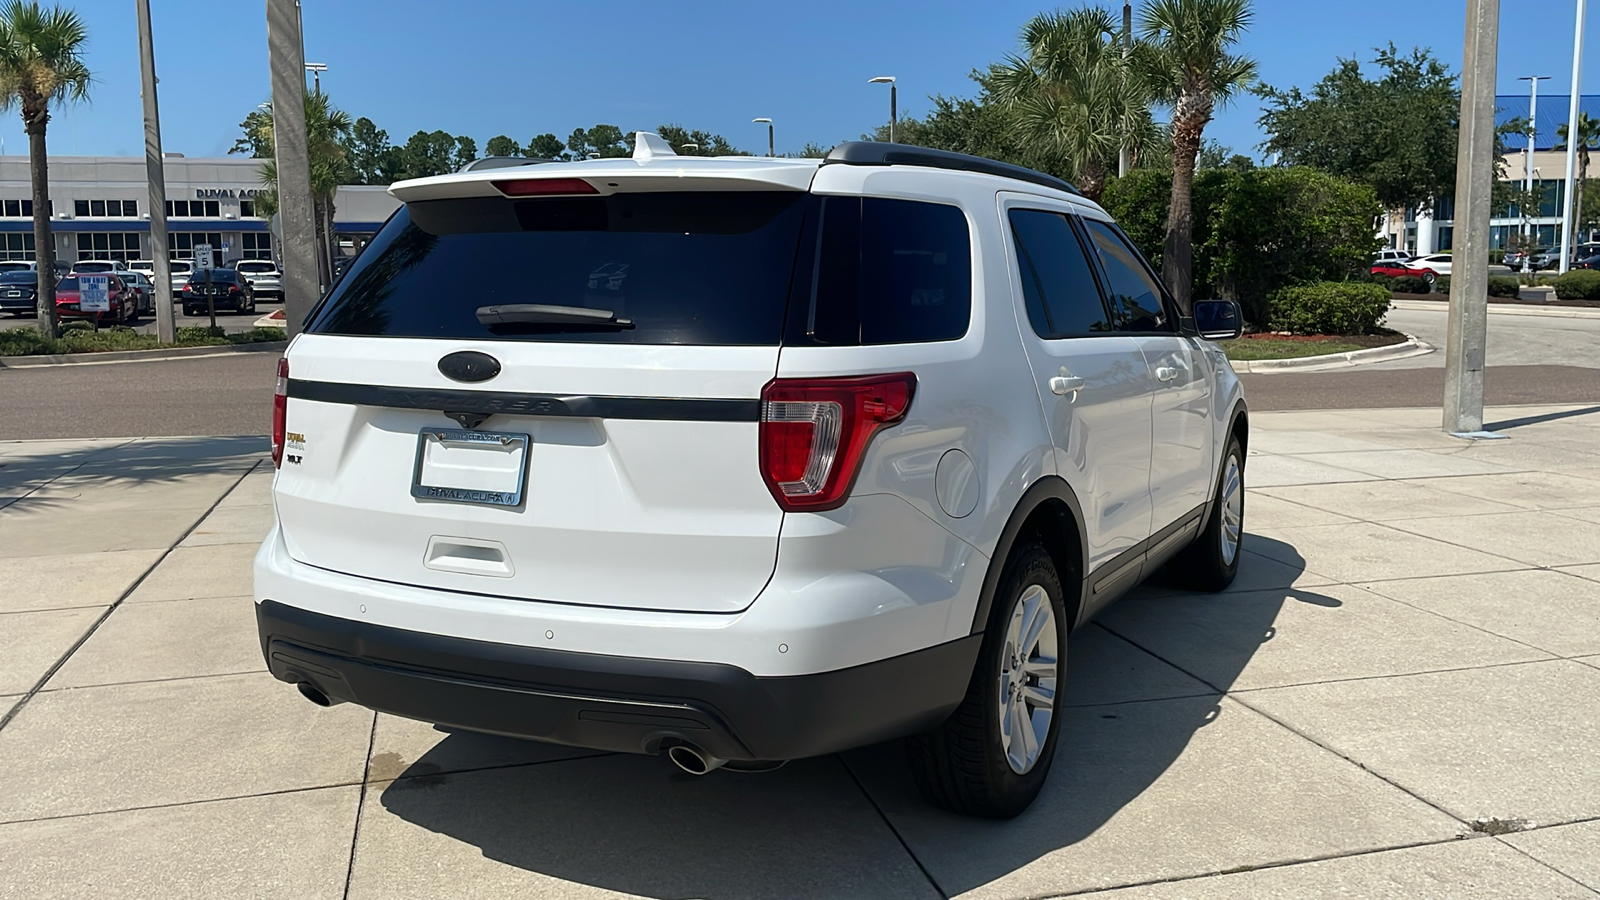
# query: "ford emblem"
{"type": "Point", "coordinates": [469, 365]}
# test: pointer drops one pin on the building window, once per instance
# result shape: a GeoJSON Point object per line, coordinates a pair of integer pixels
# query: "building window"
{"type": "Point", "coordinates": [15, 208]}
{"type": "Point", "coordinates": [108, 245]}
{"type": "Point", "coordinates": [182, 245]}
{"type": "Point", "coordinates": [19, 246]}
{"type": "Point", "coordinates": [103, 208]}
{"type": "Point", "coordinates": [255, 245]}
{"type": "Point", "coordinates": [247, 209]}
{"type": "Point", "coordinates": [193, 209]}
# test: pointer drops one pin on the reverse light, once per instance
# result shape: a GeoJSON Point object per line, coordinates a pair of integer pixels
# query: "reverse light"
{"type": "Point", "coordinates": [280, 411]}
{"type": "Point", "coordinates": [542, 187]}
{"type": "Point", "coordinates": [814, 432]}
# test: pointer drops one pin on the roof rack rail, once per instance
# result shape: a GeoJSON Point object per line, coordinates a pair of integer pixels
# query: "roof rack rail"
{"type": "Point", "coordinates": [882, 153]}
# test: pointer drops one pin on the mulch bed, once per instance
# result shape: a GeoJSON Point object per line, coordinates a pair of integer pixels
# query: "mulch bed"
{"type": "Point", "coordinates": [1365, 341]}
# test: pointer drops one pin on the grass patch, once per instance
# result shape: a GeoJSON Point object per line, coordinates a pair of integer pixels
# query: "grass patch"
{"type": "Point", "coordinates": [1266, 348]}
{"type": "Point", "coordinates": [81, 338]}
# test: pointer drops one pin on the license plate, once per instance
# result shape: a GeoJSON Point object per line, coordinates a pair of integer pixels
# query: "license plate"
{"type": "Point", "coordinates": [458, 466]}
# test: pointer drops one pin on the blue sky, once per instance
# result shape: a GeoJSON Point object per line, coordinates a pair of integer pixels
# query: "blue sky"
{"type": "Point", "coordinates": [520, 67]}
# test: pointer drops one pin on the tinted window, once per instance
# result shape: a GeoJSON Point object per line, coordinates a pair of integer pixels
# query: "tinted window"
{"type": "Point", "coordinates": [216, 275]}
{"type": "Point", "coordinates": [686, 268]}
{"type": "Point", "coordinates": [885, 272]}
{"type": "Point", "coordinates": [1058, 282]}
{"type": "Point", "coordinates": [1134, 293]}
{"type": "Point", "coordinates": [67, 284]}
{"type": "Point", "coordinates": [18, 277]}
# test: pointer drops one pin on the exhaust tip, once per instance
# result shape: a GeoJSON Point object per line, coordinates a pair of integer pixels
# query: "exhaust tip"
{"type": "Point", "coordinates": [310, 692]}
{"type": "Point", "coordinates": [691, 760]}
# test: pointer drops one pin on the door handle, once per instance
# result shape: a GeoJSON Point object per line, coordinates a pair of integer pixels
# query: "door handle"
{"type": "Point", "coordinates": [1165, 373]}
{"type": "Point", "coordinates": [1066, 382]}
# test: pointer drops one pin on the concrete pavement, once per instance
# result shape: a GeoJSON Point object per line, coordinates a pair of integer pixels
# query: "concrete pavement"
{"type": "Point", "coordinates": [1516, 336]}
{"type": "Point", "coordinates": [1411, 650]}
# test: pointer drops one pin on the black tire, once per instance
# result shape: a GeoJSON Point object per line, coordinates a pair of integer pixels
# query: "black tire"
{"type": "Point", "coordinates": [1430, 276]}
{"type": "Point", "coordinates": [962, 765]}
{"type": "Point", "coordinates": [1205, 565]}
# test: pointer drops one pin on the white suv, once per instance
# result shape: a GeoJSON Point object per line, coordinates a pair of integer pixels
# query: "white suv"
{"type": "Point", "coordinates": [743, 460]}
{"type": "Point", "coordinates": [263, 275]}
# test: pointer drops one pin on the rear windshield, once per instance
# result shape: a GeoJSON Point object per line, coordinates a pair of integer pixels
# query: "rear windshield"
{"type": "Point", "coordinates": [256, 267]}
{"type": "Point", "coordinates": [19, 277]}
{"type": "Point", "coordinates": [704, 268]}
{"type": "Point", "coordinates": [94, 267]}
{"type": "Point", "coordinates": [683, 268]}
{"type": "Point", "coordinates": [215, 276]}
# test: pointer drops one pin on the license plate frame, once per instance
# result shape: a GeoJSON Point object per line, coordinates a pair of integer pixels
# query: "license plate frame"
{"type": "Point", "coordinates": [485, 439]}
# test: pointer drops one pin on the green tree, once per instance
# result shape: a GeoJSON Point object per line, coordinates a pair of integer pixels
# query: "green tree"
{"type": "Point", "coordinates": [1073, 96]}
{"type": "Point", "coordinates": [813, 150]}
{"type": "Point", "coordinates": [1187, 61]}
{"type": "Point", "coordinates": [1396, 132]}
{"type": "Point", "coordinates": [706, 143]}
{"type": "Point", "coordinates": [372, 158]}
{"type": "Point", "coordinates": [1588, 132]}
{"type": "Point", "coordinates": [328, 130]}
{"type": "Point", "coordinates": [41, 62]}
{"type": "Point", "coordinates": [604, 141]}
{"type": "Point", "coordinates": [256, 137]}
{"type": "Point", "coordinates": [501, 145]}
{"type": "Point", "coordinates": [545, 146]}
{"type": "Point", "coordinates": [466, 151]}
{"type": "Point", "coordinates": [428, 153]}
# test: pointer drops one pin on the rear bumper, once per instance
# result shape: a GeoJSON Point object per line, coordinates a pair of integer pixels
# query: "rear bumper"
{"type": "Point", "coordinates": [615, 703]}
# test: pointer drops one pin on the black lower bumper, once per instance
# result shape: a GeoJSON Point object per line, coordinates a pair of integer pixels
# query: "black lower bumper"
{"type": "Point", "coordinates": [615, 703]}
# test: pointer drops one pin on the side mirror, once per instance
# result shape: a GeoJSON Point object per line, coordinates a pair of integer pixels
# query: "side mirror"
{"type": "Point", "coordinates": [1218, 320]}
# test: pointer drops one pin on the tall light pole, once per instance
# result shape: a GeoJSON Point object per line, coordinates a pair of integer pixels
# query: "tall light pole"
{"type": "Point", "coordinates": [1125, 155]}
{"type": "Point", "coordinates": [1527, 167]}
{"type": "Point", "coordinates": [1569, 215]}
{"type": "Point", "coordinates": [893, 113]}
{"type": "Point", "coordinates": [316, 70]}
{"type": "Point", "coordinates": [1469, 305]}
{"type": "Point", "coordinates": [286, 58]}
{"type": "Point", "coordinates": [771, 151]}
{"type": "Point", "coordinates": [155, 171]}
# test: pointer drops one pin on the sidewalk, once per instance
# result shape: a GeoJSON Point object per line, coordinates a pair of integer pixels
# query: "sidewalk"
{"type": "Point", "coordinates": [1412, 647]}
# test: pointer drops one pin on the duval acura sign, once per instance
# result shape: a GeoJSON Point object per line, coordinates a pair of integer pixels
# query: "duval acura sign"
{"type": "Point", "coordinates": [227, 193]}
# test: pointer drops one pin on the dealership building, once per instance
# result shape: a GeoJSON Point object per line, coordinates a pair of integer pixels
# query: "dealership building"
{"type": "Point", "coordinates": [100, 209]}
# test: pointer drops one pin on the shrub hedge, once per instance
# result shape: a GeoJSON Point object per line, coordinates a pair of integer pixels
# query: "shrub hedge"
{"type": "Point", "coordinates": [1408, 284]}
{"type": "Point", "coordinates": [1329, 307]}
{"type": "Point", "coordinates": [1582, 284]}
{"type": "Point", "coordinates": [80, 338]}
{"type": "Point", "coordinates": [1504, 286]}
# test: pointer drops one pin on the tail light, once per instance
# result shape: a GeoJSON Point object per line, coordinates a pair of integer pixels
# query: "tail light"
{"type": "Point", "coordinates": [280, 411]}
{"type": "Point", "coordinates": [543, 187]}
{"type": "Point", "coordinates": [814, 432]}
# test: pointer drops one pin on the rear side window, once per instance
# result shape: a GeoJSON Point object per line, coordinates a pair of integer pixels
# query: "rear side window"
{"type": "Point", "coordinates": [1135, 293]}
{"type": "Point", "coordinates": [704, 268]}
{"type": "Point", "coordinates": [884, 271]}
{"type": "Point", "coordinates": [1058, 284]}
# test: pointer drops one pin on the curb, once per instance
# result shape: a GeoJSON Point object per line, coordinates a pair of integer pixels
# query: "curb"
{"type": "Point", "coordinates": [119, 356]}
{"type": "Point", "coordinates": [1507, 309]}
{"type": "Point", "coordinates": [1411, 347]}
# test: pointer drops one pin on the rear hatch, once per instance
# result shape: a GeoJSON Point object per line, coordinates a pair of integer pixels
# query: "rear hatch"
{"type": "Point", "coordinates": [436, 437]}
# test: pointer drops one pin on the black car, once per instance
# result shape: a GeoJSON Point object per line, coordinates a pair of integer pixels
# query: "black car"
{"type": "Point", "coordinates": [228, 290]}
{"type": "Point", "coordinates": [19, 292]}
{"type": "Point", "coordinates": [1589, 262]}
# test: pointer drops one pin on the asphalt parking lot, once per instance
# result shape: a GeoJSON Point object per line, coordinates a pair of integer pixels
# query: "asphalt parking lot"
{"type": "Point", "coordinates": [227, 319]}
{"type": "Point", "coordinates": [1398, 698]}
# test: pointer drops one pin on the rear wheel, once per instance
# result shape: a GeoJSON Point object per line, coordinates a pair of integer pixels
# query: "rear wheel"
{"type": "Point", "coordinates": [1212, 561]}
{"type": "Point", "coordinates": [991, 757]}
{"type": "Point", "coordinates": [1430, 276]}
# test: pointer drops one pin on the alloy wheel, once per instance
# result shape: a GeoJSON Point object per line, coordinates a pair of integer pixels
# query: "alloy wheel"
{"type": "Point", "coordinates": [1029, 662]}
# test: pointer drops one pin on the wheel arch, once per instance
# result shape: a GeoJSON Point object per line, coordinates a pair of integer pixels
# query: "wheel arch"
{"type": "Point", "coordinates": [1050, 511]}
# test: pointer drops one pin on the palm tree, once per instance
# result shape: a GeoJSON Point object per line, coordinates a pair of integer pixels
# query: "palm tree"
{"type": "Point", "coordinates": [41, 62]}
{"type": "Point", "coordinates": [1588, 136]}
{"type": "Point", "coordinates": [1073, 96]}
{"type": "Point", "coordinates": [1185, 57]}
{"type": "Point", "coordinates": [327, 130]}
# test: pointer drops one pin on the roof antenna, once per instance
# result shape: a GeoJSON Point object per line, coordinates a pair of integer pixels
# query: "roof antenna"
{"type": "Point", "coordinates": [648, 145]}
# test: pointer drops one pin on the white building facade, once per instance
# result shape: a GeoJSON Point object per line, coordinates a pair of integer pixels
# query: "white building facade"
{"type": "Point", "coordinates": [100, 209]}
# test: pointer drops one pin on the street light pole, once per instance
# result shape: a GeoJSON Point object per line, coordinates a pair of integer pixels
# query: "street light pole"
{"type": "Point", "coordinates": [1569, 215]}
{"type": "Point", "coordinates": [286, 59]}
{"type": "Point", "coordinates": [316, 70]}
{"type": "Point", "coordinates": [771, 147]}
{"type": "Point", "coordinates": [1124, 155]}
{"type": "Point", "coordinates": [1469, 305]}
{"type": "Point", "coordinates": [156, 179]}
{"type": "Point", "coordinates": [1527, 166]}
{"type": "Point", "coordinates": [893, 113]}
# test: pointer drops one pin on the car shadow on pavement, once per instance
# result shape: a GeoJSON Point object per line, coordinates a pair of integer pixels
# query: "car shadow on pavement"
{"type": "Point", "coordinates": [818, 827]}
{"type": "Point", "coordinates": [39, 476]}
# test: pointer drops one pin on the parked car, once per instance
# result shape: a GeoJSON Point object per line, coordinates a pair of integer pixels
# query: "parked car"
{"type": "Point", "coordinates": [228, 289]}
{"type": "Point", "coordinates": [18, 265]}
{"type": "Point", "coordinates": [124, 302]}
{"type": "Point", "coordinates": [1392, 256]}
{"type": "Point", "coordinates": [97, 266]}
{"type": "Point", "coordinates": [1588, 262]}
{"type": "Point", "coordinates": [19, 292]}
{"type": "Point", "coordinates": [1434, 265]}
{"type": "Point", "coordinates": [787, 490]}
{"type": "Point", "coordinates": [1396, 269]}
{"type": "Point", "coordinates": [181, 270]}
{"type": "Point", "coordinates": [1514, 258]}
{"type": "Point", "coordinates": [264, 276]}
{"type": "Point", "coordinates": [139, 283]}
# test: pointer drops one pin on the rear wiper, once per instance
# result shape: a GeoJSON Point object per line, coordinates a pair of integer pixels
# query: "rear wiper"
{"type": "Point", "coordinates": [542, 314]}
